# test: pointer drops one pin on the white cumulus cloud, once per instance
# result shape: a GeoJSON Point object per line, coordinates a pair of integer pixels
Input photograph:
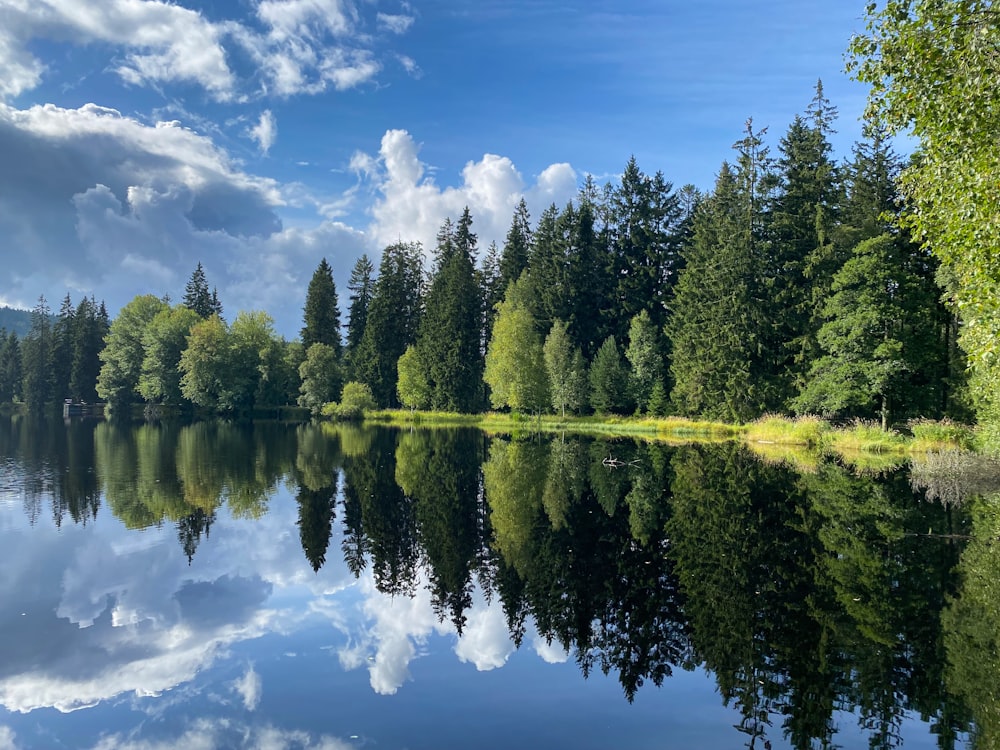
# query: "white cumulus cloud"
{"type": "Point", "coordinates": [412, 206]}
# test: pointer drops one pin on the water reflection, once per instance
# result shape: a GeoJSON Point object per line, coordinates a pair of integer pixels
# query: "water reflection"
{"type": "Point", "coordinates": [815, 597]}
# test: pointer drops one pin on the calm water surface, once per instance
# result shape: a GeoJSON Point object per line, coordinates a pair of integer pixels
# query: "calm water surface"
{"type": "Point", "coordinates": [272, 586]}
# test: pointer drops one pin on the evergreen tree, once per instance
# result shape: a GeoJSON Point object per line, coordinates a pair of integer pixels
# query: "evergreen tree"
{"type": "Point", "coordinates": [491, 289]}
{"type": "Point", "coordinates": [451, 325]}
{"type": "Point", "coordinates": [516, 247]}
{"type": "Point", "coordinates": [322, 314]}
{"type": "Point", "coordinates": [392, 320]}
{"type": "Point", "coordinates": [63, 340]}
{"type": "Point", "coordinates": [549, 269]}
{"type": "Point", "coordinates": [882, 351]}
{"type": "Point", "coordinates": [804, 255]}
{"type": "Point", "coordinates": [36, 359]}
{"type": "Point", "coordinates": [609, 380]}
{"type": "Point", "coordinates": [198, 298]}
{"type": "Point", "coordinates": [718, 330]}
{"type": "Point", "coordinates": [91, 328]}
{"type": "Point", "coordinates": [360, 287]}
{"type": "Point", "coordinates": [644, 245]}
{"type": "Point", "coordinates": [10, 367]}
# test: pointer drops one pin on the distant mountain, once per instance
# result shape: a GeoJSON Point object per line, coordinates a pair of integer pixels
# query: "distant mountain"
{"type": "Point", "coordinates": [18, 321]}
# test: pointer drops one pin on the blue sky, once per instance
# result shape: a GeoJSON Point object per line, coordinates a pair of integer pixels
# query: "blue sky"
{"type": "Point", "coordinates": [258, 136]}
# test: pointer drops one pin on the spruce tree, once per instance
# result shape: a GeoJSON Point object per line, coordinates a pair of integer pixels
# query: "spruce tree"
{"type": "Point", "coordinates": [63, 338]}
{"type": "Point", "coordinates": [803, 251]}
{"type": "Point", "coordinates": [360, 288]}
{"type": "Point", "coordinates": [322, 315]}
{"type": "Point", "coordinates": [490, 288]}
{"type": "Point", "coordinates": [91, 326]}
{"type": "Point", "coordinates": [609, 380]}
{"type": "Point", "coordinates": [10, 366]}
{"type": "Point", "coordinates": [718, 331]}
{"type": "Point", "coordinates": [516, 247]}
{"type": "Point", "coordinates": [392, 320]}
{"type": "Point", "coordinates": [451, 326]}
{"type": "Point", "coordinates": [36, 359]}
{"type": "Point", "coordinates": [644, 246]}
{"type": "Point", "coordinates": [882, 353]}
{"type": "Point", "coordinates": [198, 298]}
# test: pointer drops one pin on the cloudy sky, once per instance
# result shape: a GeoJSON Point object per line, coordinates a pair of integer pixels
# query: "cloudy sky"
{"type": "Point", "coordinates": [140, 137]}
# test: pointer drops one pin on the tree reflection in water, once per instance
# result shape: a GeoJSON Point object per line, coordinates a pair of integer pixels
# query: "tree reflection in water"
{"type": "Point", "coordinates": [810, 593]}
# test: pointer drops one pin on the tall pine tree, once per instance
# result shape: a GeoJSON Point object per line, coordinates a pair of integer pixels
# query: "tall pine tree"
{"type": "Point", "coordinates": [392, 320]}
{"type": "Point", "coordinates": [322, 314]}
{"type": "Point", "coordinates": [449, 340]}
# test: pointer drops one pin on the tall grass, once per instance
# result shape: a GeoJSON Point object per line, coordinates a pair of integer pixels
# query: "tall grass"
{"type": "Point", "coordinates": [772, 428]}
{"type": "Point", "coordinates": [929, 435]}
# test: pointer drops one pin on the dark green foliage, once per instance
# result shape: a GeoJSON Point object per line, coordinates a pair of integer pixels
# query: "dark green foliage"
{"type": "Point", "coordinates": [644, 219]}
{"type": "Point", "coordinates": [36, 359]}
{"type": "Point", "coordinates": [392, 320]}
{"type": "Point", "coordinates": [322, 314]}
{"type": "Point", "coordinates": [90, 328]}
{"type": "Point", "coordinates": [10, 366]}
{"type": "Point", "coordinates": [198, 298]}
{"type": "Point", "coordinates": [491, 288]}
{"type": "Point", "coordinates": [882, 349]}
{"type": "Point", "coordinates": [15, 321]}
{"type": "Point", "coordinates": [63, 341]}
{"type": "Point", "coordinates": [516, 247]}
{"type": "Point", "coordinates": [567, 269]}
{"type": "Point", "coordinates": [449, 339]}
{"type": "Point", "coordinates": [720, 362]}
{"type": "Point", "coordinates": [609, 381]}
{"type": "Point", "coordinates": [360, 286]}
{"type": "Point", "coordinates": [316, 512]}
{"type": "Point", "coordinates": [804, 256]}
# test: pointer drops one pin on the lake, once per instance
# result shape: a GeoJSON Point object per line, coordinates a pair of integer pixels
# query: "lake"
{"type": "Point", "coordinates": [216, 585]}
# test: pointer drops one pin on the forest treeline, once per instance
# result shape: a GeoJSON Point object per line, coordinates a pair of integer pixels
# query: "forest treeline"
{"type": "Point", "coordinates": [789, 287]}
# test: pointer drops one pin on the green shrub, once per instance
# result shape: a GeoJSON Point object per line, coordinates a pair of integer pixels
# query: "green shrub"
{"type": "Point", "coordinates": [355, 400]}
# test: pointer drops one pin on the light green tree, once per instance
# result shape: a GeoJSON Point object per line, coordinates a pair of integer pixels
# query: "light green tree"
{"type": "Point", "coordinates": [412, 387]}
{"type": "Point", "coordinates": [164, 340]}
{"type": "Point", "coordinates": [933, 74]}
{"type": "Point", "coordinates": [515, 366]}
{"type": "Point", "coordinates": [123, 355]}
{"type": "Point", "coordinates": [645, 358]}
{"type": "Point", "coordinates": [206, 365]}
{"type": "Point", "coordinates": [566, 369]}
{"type": "Point", "coordinates": [322, 378]}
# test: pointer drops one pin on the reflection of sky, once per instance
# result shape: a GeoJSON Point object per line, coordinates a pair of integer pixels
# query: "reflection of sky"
{"type": "Point", "coordinates": [248, 647]}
